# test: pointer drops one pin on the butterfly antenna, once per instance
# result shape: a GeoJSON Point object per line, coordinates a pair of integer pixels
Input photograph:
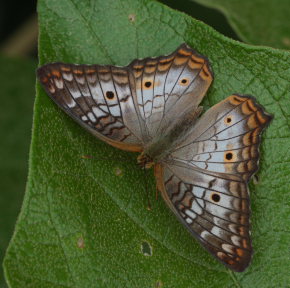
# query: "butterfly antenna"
{"type": "Point", "coordinates": [105, 158]}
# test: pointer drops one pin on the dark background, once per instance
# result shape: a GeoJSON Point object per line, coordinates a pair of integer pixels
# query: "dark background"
{"type": "Point", "coordinates": [13, 14]}
{"type": "Point", "coordinates": [16, 14]}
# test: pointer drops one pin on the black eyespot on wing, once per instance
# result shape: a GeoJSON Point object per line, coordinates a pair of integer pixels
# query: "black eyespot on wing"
{"type": "Point", "coordinates": [183, 81]}
{"type": "Point", "coordinates": [229, 119]}
{"type": "Point", "coordinates": [110, 95]}
{"type": "Point", "coordinates": [147, 84]}
{"type": "Point", "coordinates": [215, 197]}
{"type": "Point", "coordinates": [229, 156]}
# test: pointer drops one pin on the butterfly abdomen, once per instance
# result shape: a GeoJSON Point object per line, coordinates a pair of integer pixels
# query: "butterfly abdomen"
{"type": "Point", "coordinates": [167, 140]}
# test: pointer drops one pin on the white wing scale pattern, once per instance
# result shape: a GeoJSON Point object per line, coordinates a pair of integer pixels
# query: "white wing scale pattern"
{"type": "Point", "coordinates": [205, 177]}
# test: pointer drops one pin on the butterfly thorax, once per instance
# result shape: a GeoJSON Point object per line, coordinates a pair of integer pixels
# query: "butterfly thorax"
{"type": "Point", "coordinates": [145, 161]}
{"type": "Point", "coordinates": [160, 148]}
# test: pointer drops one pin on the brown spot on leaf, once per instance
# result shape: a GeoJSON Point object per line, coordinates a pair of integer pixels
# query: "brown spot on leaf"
{"type": "Point", "coordinates": [118, 171]}
{"type": "Point", "coordinates": [286, 41]}
{"type": "Point", "coordinates": [158, 284]}
{"type": "Point", "coordinates": [81, 243]}
{"type": "Point", "coordinates": [132, 17]}
{"type": "Point", "coordinates": [86, 157]}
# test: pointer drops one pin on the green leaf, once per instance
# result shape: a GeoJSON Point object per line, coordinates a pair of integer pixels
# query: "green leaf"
{"type": "Point", "coordinates": [211, 17]}
{"type": "Point", "coordinates": [17, 95]}
{"type": "Point", "coordinates": [257, 22]}
{"type": "Point", "coordinates": [84, 221]}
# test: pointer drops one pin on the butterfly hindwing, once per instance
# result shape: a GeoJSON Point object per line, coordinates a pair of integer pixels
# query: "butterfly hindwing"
{"type": "Point", "coordinates": [214, 209]}
{"type": "Point", "coordinates": [204, 180]}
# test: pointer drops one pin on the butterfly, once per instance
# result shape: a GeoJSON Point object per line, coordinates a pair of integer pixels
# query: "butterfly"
{"type": "Point", "coordinates": [202, 164]}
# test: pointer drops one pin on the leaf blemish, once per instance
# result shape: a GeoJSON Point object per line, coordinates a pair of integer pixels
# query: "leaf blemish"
{"type": "Point", "coordinates": [146, 248]}
{"type": "Point", "coordinates": [132, 17]}
{"type": "Point", "coordinates": [118, 171]}
{"type": "Point", "coordinates": [86, 157]}
{"type": "Point", "coordinates": [81, 243]}
{"type": "Point", "coordinates": [256, 179]}
{"type": "Point", "coordinates": [158, 284]}
{"type": "Point", "coordinates": [286, 41]}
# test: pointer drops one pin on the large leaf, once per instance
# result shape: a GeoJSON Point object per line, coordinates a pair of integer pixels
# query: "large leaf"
{"type": "Point", "coordinates": [210, 16]}
{"type": "Point", "coordinates": [257, 22]}
{"type": "Point", "coordinates": [17, 95]}
{"type": "Point", "coordinates": [84, 221]}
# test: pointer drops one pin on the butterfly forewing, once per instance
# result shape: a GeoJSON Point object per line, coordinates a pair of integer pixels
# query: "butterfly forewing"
{"type": "Point", "coordinates": [97, 97]}
{"type": "Point", "coordinates": [169, 85]}
{"type": "Point", "coordinates": [126, 106]}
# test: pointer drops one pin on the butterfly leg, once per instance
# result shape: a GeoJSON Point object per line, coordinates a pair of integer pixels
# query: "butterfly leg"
{"type": "Point", "coordinates": [158, 177]}
{"type": "Point", "coordinates": [149, 207]}
{"type": "Point", "coordinates": [156, 192]}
